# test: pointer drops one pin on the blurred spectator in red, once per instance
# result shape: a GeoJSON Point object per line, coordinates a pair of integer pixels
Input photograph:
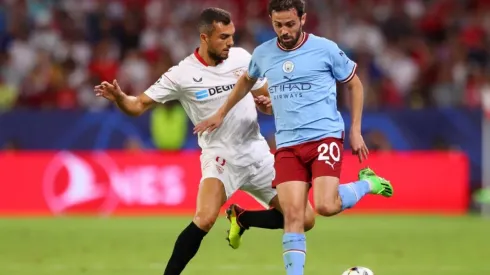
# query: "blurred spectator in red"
{"type": "Point", "coordinates": [411, 53]}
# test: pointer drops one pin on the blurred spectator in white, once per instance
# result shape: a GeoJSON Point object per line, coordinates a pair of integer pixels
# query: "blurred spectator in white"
{"type": "Point", "coordinates": [134, 73]}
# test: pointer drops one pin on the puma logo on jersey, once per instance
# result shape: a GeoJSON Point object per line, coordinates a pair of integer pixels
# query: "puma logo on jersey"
{"type": "Point", "coordinates": [202, 94]}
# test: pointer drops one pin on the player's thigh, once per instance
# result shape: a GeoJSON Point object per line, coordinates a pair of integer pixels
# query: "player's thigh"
{"type": "Point", "coordinates": [214, 190]}
{"type": "Point", "coordinates": [210, 197]}
{"type": "Point", "coordinates": [259, 183]}
{"type": "Point", "coordinates": [326, 168]}
{"type": "Point", "coordinates": [326, 195]}
{"type": "Point", "coordinates": [289, 167]}
{"type": "Point", "coordinates": [216, 167]}
{"type": "Point", "coordinates": [291, 183]}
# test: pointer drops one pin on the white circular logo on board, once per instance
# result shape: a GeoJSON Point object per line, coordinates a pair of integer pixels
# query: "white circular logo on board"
{"type": "Point", "coordinates": [288, 66]}
{"type": "Point", "coordinates": [73, 182]}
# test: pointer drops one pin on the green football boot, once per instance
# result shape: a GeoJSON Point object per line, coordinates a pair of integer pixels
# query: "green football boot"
{"type": "Point", "coordinates": [379, 185]}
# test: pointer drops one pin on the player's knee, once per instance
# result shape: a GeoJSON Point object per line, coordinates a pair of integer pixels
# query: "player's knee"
{"type": "Point", "coordinates": [293, 218]}
{"type": "Point", "coordinates": [204, 220]}
{"type": "Point", "coordinates": [328, 209]}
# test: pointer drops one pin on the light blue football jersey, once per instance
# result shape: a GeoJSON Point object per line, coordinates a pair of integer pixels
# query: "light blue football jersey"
{"type": "Point", "coordinates": [302, 86]}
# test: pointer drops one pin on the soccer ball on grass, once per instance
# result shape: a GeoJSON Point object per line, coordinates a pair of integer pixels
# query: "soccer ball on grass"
{"type": "Point", "coordinates": [358, 270]}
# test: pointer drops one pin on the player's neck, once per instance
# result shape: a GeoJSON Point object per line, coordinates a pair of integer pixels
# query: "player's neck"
{"type": "Point", "coordinates": [300, 40]}
{"type": "Point", "coordinates": [205, 57]}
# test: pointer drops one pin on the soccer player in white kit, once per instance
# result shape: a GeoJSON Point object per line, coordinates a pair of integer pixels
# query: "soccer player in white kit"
{"type": "Point", "coordinates": [234, 157]}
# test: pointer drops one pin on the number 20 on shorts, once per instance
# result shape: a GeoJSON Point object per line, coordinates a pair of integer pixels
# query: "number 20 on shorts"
{"type": "Point", "coordinates": [330, 153]}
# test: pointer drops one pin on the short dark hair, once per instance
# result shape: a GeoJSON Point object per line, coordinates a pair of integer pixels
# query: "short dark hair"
{"type": "Point", "coordinates": [212, 15]}
{"type": "Point", "coordinates": [284, 5]}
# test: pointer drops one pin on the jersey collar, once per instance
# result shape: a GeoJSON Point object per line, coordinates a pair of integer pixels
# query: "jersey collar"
{"type": "Point", "coordinates": [303, 41]}
{"type": "Point", "coordinates": [199, 57]}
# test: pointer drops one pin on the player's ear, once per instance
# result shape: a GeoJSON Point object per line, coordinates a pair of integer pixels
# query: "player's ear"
{"type": "Point", "coordinates": [303, 19]}
{"type": "Point", "coordinates": [203, 37]}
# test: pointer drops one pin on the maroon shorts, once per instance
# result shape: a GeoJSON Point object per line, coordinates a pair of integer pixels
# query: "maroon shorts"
{"type": "Point", "coordinates": [307, 161]}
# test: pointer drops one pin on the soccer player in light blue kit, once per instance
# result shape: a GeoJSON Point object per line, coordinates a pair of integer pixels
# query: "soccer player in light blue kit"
{"type": "Point", "coordinates": [302, 70]}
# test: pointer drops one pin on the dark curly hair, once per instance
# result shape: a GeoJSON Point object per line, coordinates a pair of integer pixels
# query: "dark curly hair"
{"type": "Point", "coordinates": [284, 5]}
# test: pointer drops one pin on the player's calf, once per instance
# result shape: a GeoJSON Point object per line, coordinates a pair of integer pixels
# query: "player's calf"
{"type": "Point", "coordinates": [309, 218]}
{"type": "Point", "coordinates": [294, 239]}
{"type": "Point", "coordinates": [210, 198]}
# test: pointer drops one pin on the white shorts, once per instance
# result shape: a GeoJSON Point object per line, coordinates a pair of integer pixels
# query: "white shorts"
{"type": "Point", "coordinates": [255, 179]}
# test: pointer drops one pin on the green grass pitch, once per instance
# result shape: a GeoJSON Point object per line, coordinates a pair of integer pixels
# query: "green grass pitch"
{"type": "Point", "coordinates": [389, 245]}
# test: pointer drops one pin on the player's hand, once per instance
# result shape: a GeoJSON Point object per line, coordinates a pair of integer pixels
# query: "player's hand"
{"type": "Point", "coordinates": [358, 146]}
{"type": "Point", "coordinates": [209, 124]}
{"type": "Point", "coordinates": [108, 91]}
{"type": "Point", "coordinates": [263, 100]}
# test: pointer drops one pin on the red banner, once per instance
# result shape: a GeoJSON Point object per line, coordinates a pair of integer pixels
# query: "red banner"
{"type": "Point", "coordinates": [148, 183]}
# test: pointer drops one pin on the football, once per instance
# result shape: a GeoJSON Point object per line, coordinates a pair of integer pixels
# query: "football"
{"type": "Point", "coordinates": [358, 270]}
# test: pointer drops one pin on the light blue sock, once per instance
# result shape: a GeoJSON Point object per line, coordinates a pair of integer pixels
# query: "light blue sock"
{"type": "Point", "coordinates": [294, 247]}
{"type": "Point", "coordinates": [353, 192]}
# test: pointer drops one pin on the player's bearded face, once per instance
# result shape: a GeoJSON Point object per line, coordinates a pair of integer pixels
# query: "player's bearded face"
{"type": "Point", "coordinates": [289, 40]}
{"type": "Point", "coordinates": [218, 55]}
{"type": "Point", "coordinates": [288, 27]}
{"type": "Point", "coordinates": [220, 41]}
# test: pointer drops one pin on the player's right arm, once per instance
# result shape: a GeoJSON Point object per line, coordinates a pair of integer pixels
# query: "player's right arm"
{"type": "Point", "coordinates": [163, 90]}
{"type": "Point", "coordinates": [244, 85]}
{"type": "Point", "coordinates": [130, 105]}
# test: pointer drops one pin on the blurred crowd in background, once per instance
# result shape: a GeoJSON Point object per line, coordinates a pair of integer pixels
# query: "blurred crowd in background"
{"type": "Point", "coordinates": [411, 53]}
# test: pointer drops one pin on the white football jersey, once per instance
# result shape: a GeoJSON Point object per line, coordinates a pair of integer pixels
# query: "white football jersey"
{"type": "Point", "coordinates": [202, 90]}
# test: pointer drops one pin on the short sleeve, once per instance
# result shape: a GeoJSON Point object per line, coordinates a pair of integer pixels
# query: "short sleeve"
{"type": "Point", "coordinates": [259, 84]}
{"type": "Point", "coordinates": [164, 89]}
{"type": "Point", "coordinates": [247, 58]}
{"type": "Point", "coordinates": [343, 68]}
{"type": "Point", "coordinates": [253, 67]}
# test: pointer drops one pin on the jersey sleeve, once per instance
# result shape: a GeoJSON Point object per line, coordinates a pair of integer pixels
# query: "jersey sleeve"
{"type": "Point", "coordinates": [343, 68]}
{"type": "Point", "coordinates": [165, 88]}
{"type": "Point", "coordinates": [253, 67]}
{"type": "Point", "coordinates": [247, 58]}
{"type": "Point", "coordinates": [259, 84]}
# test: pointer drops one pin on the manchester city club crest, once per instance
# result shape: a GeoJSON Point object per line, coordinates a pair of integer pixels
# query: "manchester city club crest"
{"type": "Point", "coordinates": [288, 66]}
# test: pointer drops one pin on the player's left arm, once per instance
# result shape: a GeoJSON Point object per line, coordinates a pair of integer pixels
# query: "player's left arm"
{"type": "Point", "coordinates": [262, 97]}
{"type": "Point", "coordinates": [344, 71]}
{"type": "Point", "coordinates": [357, 102]}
